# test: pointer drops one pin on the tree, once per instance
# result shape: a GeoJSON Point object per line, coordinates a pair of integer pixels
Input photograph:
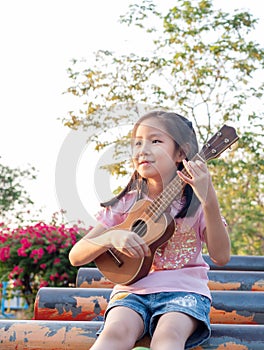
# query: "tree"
{"type": "Point", "coordinates": [14, 199]}
{"type": "Point", "coordinates": [204, 66]}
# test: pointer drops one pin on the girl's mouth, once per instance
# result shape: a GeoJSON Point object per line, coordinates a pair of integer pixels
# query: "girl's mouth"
{"type": "Point", "coordinates": [145, 162]}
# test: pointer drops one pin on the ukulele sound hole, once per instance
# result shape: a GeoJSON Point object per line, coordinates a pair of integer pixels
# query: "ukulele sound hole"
{"type": "Point", "coordinates": [139, 227]}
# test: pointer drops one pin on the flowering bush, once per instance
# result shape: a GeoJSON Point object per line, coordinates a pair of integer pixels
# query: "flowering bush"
{"type": "Point", "coordinates": [37, 256]}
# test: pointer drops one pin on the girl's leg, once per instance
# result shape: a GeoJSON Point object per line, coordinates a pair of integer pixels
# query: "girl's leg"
{"type": "Point", "coordinates": [172, 331]}
{"type": "Point", "coordinates": [123, 326]}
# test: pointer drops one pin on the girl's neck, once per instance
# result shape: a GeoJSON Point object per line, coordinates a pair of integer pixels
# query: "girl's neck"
{"type": "Point", "coordinates": [154, 189]}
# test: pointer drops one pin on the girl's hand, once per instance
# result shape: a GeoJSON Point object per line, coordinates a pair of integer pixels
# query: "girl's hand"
{"type": "Point", "coordinates": [200, 178]}
{"type": "Point", "coordinates": [128, 243]}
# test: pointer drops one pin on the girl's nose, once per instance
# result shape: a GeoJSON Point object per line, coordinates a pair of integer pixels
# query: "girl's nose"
{"type": "Point", "coordinates": [141, 150]}
{"type": "Point", "coordinates": [144, 148]}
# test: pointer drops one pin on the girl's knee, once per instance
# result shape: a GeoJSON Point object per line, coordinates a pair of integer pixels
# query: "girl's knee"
{"type": "Point", "coordinates": [162, 337]}
{"type": "Point", "coordinates": [119, 332]}
{"type": "Point", "coordinates": [173, 329]}
{"type": "Point", "coordinates": [116, 329]}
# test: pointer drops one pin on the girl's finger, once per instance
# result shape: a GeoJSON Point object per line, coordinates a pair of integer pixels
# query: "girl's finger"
{"type": "Point", "coordinates": [144, 247]}
{"type": "Point", "coordinates": [188, 167]}
{"type": "Point", "coordinates": [184, 178]}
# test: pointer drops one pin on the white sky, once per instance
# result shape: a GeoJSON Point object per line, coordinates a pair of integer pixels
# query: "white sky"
{"type": "Point", "coordinates": [38, 40]}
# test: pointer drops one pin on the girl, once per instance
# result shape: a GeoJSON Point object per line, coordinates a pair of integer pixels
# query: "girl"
{"type": "Point", "coordinates": [172, 302]}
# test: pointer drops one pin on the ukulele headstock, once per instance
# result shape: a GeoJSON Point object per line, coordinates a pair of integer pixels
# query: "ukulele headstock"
{"type": "Point", "coordinates": [219, 142]}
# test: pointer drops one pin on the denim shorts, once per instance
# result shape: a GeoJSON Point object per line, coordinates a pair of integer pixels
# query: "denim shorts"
{"type": "Point", "coordinates": [151, 306]}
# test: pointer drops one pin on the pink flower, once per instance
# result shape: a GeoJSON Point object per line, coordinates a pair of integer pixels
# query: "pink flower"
{"type": "Point", "coordinates": [18, 282]}
{"type": "Point", "coordinates": [42, 266]}
{"type": "Point", "coordinates": [53, 277]}
{"type": "Point", "coordinates": [21, 251]}
{"type": "Point", "coordinates": [4, 253]}
{"type": "Point", "coordinates": [65, 245]}
{"type": "Point", "coordinates": [37, 254]}
{"type": "Point", "coordinates": [43, 284]}
{"type": "Point", "coordinates": [17, 270]}
{"type": "Point", "coordinates": [51, 248]}
{"type": "Point", "coordinates": [56, 261]}
{"type": "Point", "coordinates": [25, 243]}
{"type": "Point", "coordinates": [64, 276]}
{"type": "Point", "coordinates": [40, 253]}
{"type": "Point", "coordinates": [3, 238]}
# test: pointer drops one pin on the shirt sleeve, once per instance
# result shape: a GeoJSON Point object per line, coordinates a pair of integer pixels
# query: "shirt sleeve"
{"type": "Point", "coordinates": [108, 218]}
{"type": "Point", "coordinates": [117, 213]}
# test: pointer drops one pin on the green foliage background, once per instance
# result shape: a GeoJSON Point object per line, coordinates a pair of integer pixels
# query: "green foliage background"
{"type": "Point", "coordinates": [13, 196]}
{"type": "Point", "coordinates": [203, 65]}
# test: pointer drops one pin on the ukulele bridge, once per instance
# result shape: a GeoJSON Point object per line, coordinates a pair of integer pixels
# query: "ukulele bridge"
{"type": "Point", "coordinates": [115, 258]}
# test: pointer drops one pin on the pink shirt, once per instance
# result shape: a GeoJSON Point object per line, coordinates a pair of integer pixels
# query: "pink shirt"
{"type": "Point", "coordinates": [178, 265]}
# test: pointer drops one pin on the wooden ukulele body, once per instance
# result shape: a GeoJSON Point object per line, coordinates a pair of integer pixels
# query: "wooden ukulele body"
{"type": "Point", "coordinates": [121, 269]}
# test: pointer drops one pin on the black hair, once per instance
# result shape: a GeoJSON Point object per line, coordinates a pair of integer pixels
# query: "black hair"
{"type": "Point", "coordinates": [182, 132]}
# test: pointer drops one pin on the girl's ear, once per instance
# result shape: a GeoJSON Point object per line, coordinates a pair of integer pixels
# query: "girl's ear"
{"type": "Point", "coordinates": [184, 151]}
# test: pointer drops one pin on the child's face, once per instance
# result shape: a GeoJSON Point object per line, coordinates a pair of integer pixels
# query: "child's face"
{"type": "Point", "coordinates": [154, 152]}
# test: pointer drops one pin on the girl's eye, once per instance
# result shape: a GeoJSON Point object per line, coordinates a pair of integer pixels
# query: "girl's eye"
{"type": "Point", "coordinates": [137, 143]}
{"type": "Point", "coordinates": [156, 141]}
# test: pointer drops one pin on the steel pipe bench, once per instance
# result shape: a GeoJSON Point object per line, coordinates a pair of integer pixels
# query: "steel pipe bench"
{"type": "Point", "coordinates": [68, 318]}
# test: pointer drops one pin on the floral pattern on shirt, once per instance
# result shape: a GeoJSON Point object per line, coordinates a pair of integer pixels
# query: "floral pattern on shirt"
{"type": "Point", "coordinates": [178, 251]}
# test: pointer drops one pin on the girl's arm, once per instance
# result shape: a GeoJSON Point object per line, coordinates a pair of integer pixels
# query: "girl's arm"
{"type": "Point", "coordinates": [216, 235]}
{"type": "Point", "coordinates": [99, 240]}
{"type": "Point", "coordinates": [86, 249]}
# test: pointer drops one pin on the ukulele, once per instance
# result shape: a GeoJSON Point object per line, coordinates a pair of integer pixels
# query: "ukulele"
{"type": "Point", "coordinates": [150, 220]}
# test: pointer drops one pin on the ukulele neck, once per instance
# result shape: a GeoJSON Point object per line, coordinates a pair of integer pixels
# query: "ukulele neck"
{"type": "Point", "coordinates": [171, 192]}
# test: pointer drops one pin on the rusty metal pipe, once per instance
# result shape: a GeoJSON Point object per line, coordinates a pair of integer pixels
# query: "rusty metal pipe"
{"type": "Point", "coordinates": [239, 263]}
{"type": "Point", "coordinates": [53, 335]}
{"type": "Point", "coordinates": [90, 277]}
{"type": "Point", "coordinates": [235, 337]}
{"type": "Point", "coordinates": [89, 304]}
{"type": "Point", "coordinates": [237, 307]}
{"type": "Point", "coordinates": [236, 280]}
{"type": "Point", "coordinates": [75, 304]}
{"type": "Point", "coordinates": [43, 335]}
